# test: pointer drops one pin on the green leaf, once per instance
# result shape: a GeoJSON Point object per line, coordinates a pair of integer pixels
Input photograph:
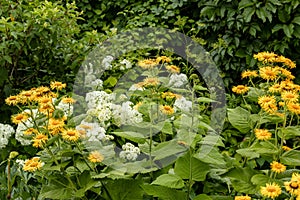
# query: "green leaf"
{"type": "Point", "coordinates": [169, 180]}
{"type": "Point", "coordinates": [8, 59]}
{"type": "Point", "coordinates": [248, 13]}
{"type": "Point", "coordinates": [283, 15]}
{"type": "Point", "coordinates": [187, 165]}
{"type": "Point", "coordinates": [210, 155]}
{"type": "Point", "coordinates": [289, 132]}
{"type": "Point", "coordinates": [249, 153]}
{"type": "Point", "coordinates": [240, 119]}
{"type": "Point", "coordinates": [112, 81]}
{"type": "Point", "coordinates": [58, 188]}
{"type": "Point", "coordinates": [202, 197]}
{"type": "Point", "coordinates": [288, 30]}
{"type": "Point", "coordinates": [291, 158]}
{"type": "Point", "coordinates": [246, 3]}
{"type": "Point", "coordinates": [167, 128]}
{"type": "Point", "coordinates": [296, 20]}
{"type": "Point", "coordinates": [113, 191]}
{"type": "Point", "coordinates": [167, 149]}
{"type": "Point", "coordinates": [241, 180]}
{"type": "Point", "coordinates": [164, 193]}
{"type": "Point", "coordinates": [133, 136]}
{"type": "Point", "coordinates": [205, 100]}
{"type": "Point", "coordinates": [260, 179]}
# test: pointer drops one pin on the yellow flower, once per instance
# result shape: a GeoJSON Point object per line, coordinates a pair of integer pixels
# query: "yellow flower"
{"type": "Point", "coordinates": [289, 96]}
{"type": "Point", "coordinates": [55, 126]}
{"type": "Point", "coordinates": [68, 100]}
{"type": "Point", "coordinates": [286, 73]}
{"type": "Point", "coordinates": [39, 140]}
{"type": "Point", "coordinates": [163, 59]}
{"type": "Point", "coordinates": [168, 110]}
{"type": "Point", "coordinates": [242, 197]}
{"type": "Point", "coordinates": [286, 148]}
{"type": "Point", "coordinates": [18, 118]}
{"type": "Point", "coordinates": [240, 89]}
{"type": "Point", "coordinates": [277, 167]}
{"type": "Point", "coordinates": [287, 85]}
{"type": "Point", "coordinates": [271, 190]}
{"type": "Point", "coordinates": [286, 61]}
{"type": "Point", "coordinates": [262, 134]}
{"type": "Point", "coordinates": [12, 100]}
{"type": "Point", "coordinates": [170, 95]}
{"type": "Point", "coordinates": [57, 85]}
{"type": "Point", "coordinates": [294, 108]}
{"type": "Point", "coordinates": [276, 88]}
{"type": "Point", "coordinates": [96, 157]}
{"type": "Point", "coordinates": [70, 134]}
{"type": "Point", "coordinates": [249, 73]}
{"type": "Point", "coordinates": [32, 164]}
{"type": "Point", "coordinates": [292, 187]}
{"type": "Point", "coordinates": [30, 131]}
{"type": "Point", "coordinates": [173, 69]}
{"type": "Point", "coordinates": [148, 63]}
{"type": "Point", "coordinates": [136, 107]}
{"type": "Point", "coordinates": [266, 57]}
{"type": "Point", "coordinates": [46, 108]}
{"type": "Point", "coordinates": [43, 91]}
{"type": "Point", "coordinates": [150, 82]}
{"type": "Point", "coordinates": [268, 73]}
{"type": "Point", "coordinates": [45, 100]}
{"type": "Point", "coordinates": [268, 104]}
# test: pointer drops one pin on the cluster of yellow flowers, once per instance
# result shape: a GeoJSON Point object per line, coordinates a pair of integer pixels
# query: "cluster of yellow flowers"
{"type": "Point", "coordinates": [41, 100]}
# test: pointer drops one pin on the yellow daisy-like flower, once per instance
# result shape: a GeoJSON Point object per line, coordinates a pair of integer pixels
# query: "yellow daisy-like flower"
{"type": "Point", "coordinates": [262, 134]}
{"type": "Point", "coordinates": [30, 131]}
{"type": "Point", "coordinates": [289, 96]}
{"type": "Point", "coordinates": [170, 95]}
{"type": "Point", "coordinates": [68, 100]}
{"type": "Point", "coordinates": [12, 100]}
{"type": "Point", "coordinates": [292, 187]}
{"type": "Point", "coordinates": [271, 190]}
{"type": "Point", "coordinates": [266, 57]}
{"type": "Point", "coordinates": [296, 177]}
{"type": "Point", "coordinates": [39, 140]}
{"type": "Point", "coordinates": [96, 157]}
{"type": "Point", "coordinates": [287, 85]}
{"type": "Point", "coordinates": [18, 118]}
{"type": "Point", "coordinates": [286, 148]}
{"type": "Point", "coordinates": [266, 100]}
{"type": "Point", "coordinates": [240, 89]}
{"type": "Point", "coordinates": [242, 197]}
{"type": "Point", "coordinates": [163, 59]}
{"type": "Point", "coordinates": [294, 108]}
{"type": "Point", "coordinates": [173, 69]}
{"type": "Point", "coordinates": [286, 73]}
{"type": "Point", "coordinates": [136, 107]}
{"type": "Point", "coordinates": [168, 110]}
{"type": "Point", "coordinates": [46, 108]}
{"type": "Point", "coordinates": [57, 85]}
{"type": "Point", "coordinates": [45, 100]}
{"type": "Point", "coordinates": [276, 88]}
{"type": "Point", "coordinates": [268, 73]}
{"type": "Point", "coordinates": [286, 61]}
{"type": "Point", "coordinates": [277, 167]}
{"type": "Point", "coordinates": [32, 164]}
{"type": "Point", "coordinates": [150, 81]}
{"type": "Point", "coordinates": [26, 96]}
{"type": "Point", "coordinates": [71, 135]}
{"type": "Point", "coordinates": [148, 63]}
{"type": "Point", "coordinates": [249, 73]}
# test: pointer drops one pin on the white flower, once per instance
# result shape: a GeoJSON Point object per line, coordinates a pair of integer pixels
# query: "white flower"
{"type": "Point", "coordinates": [127, 64]}
{"type": "Point", "coordinates": [93, 131]}
{"type": "Point", "coordinates": [5, 132]}
{"type": "Point", "coordinates": [96, 84]}
{"type": "Point", "coordinates": [20, 162]}
{"type": "Point", "coordinates": [125, 115]}
{"type": "Point", "coordinates": [130, 152]}
{"type": "Point", "coordinates": [66, 108]}
{"type": "Point", "coordinates": [20, 132]}
{"type": "Point", "coordinates": [106, 62]}
{"type": "Point", "coordinates": [178, 80]}
{"type": "Point", "coordinates": [183, 104]}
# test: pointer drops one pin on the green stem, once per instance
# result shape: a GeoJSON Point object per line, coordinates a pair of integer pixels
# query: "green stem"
{"type": "Point", "coordinates": [8, 180]}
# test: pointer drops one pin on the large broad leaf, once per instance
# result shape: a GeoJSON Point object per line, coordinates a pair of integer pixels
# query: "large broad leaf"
{"type": "Point", "coordinates": [261, 180]}
{"type": "Point", "coordinates": [249, 153]}
{"type": "Point", "coordinates": [164, 193]}
{"type": "Point", "coordinates": [169, 180]}
{"type": "Point", "coordinates": [291, 158]}
{"type": "Point", "coordinates": [202, 197]}
{"type": "Point", "coordinates": [167, 149]}
{"type": "Point", "coordinates": [187, 166]}
{"type": "Point", "coordinates": [241, 180]}
{"type": "Point", "coordinates": [210, 154]}
{"type": "Point", "coordinates": [133, 136]}
{"type": "Point", "coordinates": [265, 148]}
{"type": "Point", "coordinates": [113, 190]}
{"type": "Point", "coordinates": [289, 132]}
{"type": "Point", "coordinates": [240, 119]}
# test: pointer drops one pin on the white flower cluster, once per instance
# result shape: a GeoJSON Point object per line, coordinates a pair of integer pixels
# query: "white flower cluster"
{"type": "Point", "coordinates": [106, 62]}
{"type": "Point", "coordinates": [183, 104]}
{"type": "Point", "coordinates": [130, 152]}
{"type": "Point", "coordinates": [66, 108]}
{"type": "Point", "coordinates": [5, 132]}
{"type": "Point", "coordinates": [93, 131]}
{"type": "Point", "coordinates": [126, 115]}
{"type": "Point", "coordinates": [178, 80]}
{"type": "Point", "coordinates": [127, 64]}
{"type": "Point", "coordinates": [90, 79]}
{"type": "Point", "coordinates": [99, 105]}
